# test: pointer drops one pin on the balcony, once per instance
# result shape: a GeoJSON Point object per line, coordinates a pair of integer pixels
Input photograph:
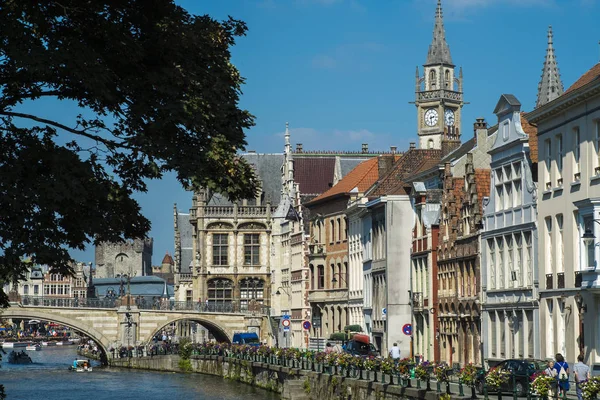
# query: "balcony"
{"type": "Point", "coordinates": [549, 281]}
{"type": "Point", "coordinates": [328, 295]}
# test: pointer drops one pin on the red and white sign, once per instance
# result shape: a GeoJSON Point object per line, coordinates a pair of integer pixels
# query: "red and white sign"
{"type": "Point", "coordinates": [285, 322]}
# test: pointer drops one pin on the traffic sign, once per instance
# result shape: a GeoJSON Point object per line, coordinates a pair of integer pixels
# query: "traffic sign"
{"type": "Point", "coordinates": [316, 321]}
{"type": "Point", "coordinates": [286, 328]}
{"type": "Point", "coordinates": [306, 325]}
{"type": "Point", "coordinates": [384, 311]}
{"type": "Point", "coordinates": [286, 316]}
{"type": "Point", "coordinates": [407, 329]}
{"type": "Point", "coordinates": [285, 323]}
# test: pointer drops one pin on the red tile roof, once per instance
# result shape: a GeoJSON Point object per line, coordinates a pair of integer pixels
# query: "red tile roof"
{"type": "Point", "coordinates": [314, 174]}
{"type": "Point", "coordinates": [586, 78]}
{"type": "Point", "coordinates": [167, 259]}
{"type": "Point", "coordinates": [362, 177]}
{"type": "Point", "coordinates": [530, 130]}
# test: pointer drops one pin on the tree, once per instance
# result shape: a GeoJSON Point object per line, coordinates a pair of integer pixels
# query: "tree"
{"type": "Point", "coordinates": [157, 92]}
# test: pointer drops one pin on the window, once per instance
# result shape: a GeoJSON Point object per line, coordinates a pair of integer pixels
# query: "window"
{"type": "Point", "coordinates": [36, 290]}
{"type": "Point", "coordinates": [251, 293]}
{"type": "Point", "coordinates": [516, 184]}
{"type": "Point", "coordinates": [251, 249]}
{"type": "Point", "coordinates": [25, 290]}
{"type": "Point", "coordinates": [502, 334]}
{"type": "Point", "coordinates": [576, 154]}
{"type": "Point", "coordinates": [528, 260]}
{"type": "Point", "coordinates": [510, 268]}
{"type": "Point", "coordinates": [432, 79]}
{"type": "Point", "coordinates": [548, 246]}
{"type": "Point", "coordinates": [492, 265]}
{"type": "Point", "coordinates": [447, 78]}
{"type": "Point", "coordinates": [312, 277]}
{"type": "Point", "coordinates": [559, 159]}
{"type": "Point", "coordinates": [505, 131]}
{"type": "Point", "coordinates": [500, 262]}
{"type": "Point", "coordinates": [321, 277]}
{"type": "Point", "coordinates": [189, 296]}
{"type": "Point", "coordinates": [339, 233]}
{"type": "Point", "coordinates": [548, 162]}
{"type": "Point", "coordinates": [220, 292]}
{"type": "Point", "coordinates": [529, 316]}
{"type": "Point", "coordinates": [493, 329]}
{"type": "Point", "coordinates": [559, 243]}
{"type": "Point", "coordinates": [220, 248]}
{"type": "Point", "coordinates": [430, 144]}
{"type": "Point", "coordinates": [332, 231]}
{"type": "Point", "coordinates": [518, 267]}
{"type": "Point", "coordinates": [332, 273]}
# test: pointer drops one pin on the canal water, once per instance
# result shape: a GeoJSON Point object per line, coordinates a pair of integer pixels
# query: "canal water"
{"type": "Point", "coordinates": [48, 378]}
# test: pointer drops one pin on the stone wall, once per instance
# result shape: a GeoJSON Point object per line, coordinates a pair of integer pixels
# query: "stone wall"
{"type": "Point", "coordinates": [291, 383]}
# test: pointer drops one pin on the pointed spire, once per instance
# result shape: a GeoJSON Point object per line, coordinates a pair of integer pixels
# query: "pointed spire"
{"type": "Point", "coordinates": [439, 51]}
{"type": "Point", "coordinates": [550, 86]}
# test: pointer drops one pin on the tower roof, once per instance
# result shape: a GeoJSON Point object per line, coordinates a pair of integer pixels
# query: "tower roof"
{"type": "Point", "coordinates": [439, 51]}
{"type": "Point", "coordinates": [167, 259]}
{"type": "Point", "coordinates": [550, 86]}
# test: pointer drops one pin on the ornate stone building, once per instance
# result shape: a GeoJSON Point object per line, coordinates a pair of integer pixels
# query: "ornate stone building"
{"type": "Point", "coordinates": [133, 258]}
{"type": "Point", "coordinates": [509, 279]}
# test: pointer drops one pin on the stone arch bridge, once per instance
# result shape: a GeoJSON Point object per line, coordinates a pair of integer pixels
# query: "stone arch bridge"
{"type": "Point", "coordinates": [115, 327]}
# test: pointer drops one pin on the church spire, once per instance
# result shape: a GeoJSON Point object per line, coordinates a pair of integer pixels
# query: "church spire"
{"type": "Point", "coordinates": [550, 86]}
{"type": "Point", "coordinates": [439, 51]}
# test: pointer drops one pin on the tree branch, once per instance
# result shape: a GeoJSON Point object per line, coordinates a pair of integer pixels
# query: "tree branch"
{"type": "Point", "coordinates": [109, 143]}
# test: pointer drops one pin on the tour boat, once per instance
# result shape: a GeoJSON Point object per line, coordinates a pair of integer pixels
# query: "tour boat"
{"type": "Point", "coordinates": [10, 345]}
{"type": "Point", "coordinates": [48, 343]}
{"type": "Point", "coordinates": [82, 366]}
{"type": "Point", "coordinates": [34, 347]}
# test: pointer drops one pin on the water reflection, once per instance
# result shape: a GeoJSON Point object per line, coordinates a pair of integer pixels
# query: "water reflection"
{"type": "Point", "coordinates": [48, 378]}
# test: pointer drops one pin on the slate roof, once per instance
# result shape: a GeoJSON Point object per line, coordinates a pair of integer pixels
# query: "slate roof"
{"type": "Point", "coordinates": [589, 76]}
{"type": "Point", "coordinates": [439, 51]}
{"type": "Point", "coordinates": [550, 86]}
{"type": "Point", "coordinates": [268, 168]}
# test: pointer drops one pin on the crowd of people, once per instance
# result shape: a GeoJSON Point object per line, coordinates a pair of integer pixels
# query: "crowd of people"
{"type": "Point", "coordinates": [559, 369]}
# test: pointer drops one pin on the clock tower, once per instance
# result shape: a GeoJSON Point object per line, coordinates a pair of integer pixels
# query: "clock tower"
{"type": "Point", "coordinates": [439, 97]}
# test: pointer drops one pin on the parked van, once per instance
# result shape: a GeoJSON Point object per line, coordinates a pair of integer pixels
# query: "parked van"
{"type": "Point", "coordinates": [250, 338]}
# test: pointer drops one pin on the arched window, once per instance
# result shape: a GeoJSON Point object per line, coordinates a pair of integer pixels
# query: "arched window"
{"type": "Point", "coordinates": [430, 144]}
{"type": "Point", "coordinates": [432, 79]}
{"type": "Point", "coordinates": [332, 231]}
{"type": "Point", "coordinates": [447, 78]}
{"type": "Point", "coordinates": [220, 294]}
{"type": "Point", "coordinates": [252, 291]}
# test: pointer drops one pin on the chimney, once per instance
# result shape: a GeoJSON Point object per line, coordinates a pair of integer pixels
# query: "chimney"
{"type": "Point", "coordinates": [365, 148]}
{"type": "Point", "coordinates": [298, 147]}
{"type": "Point", "coordinates": [385, 164]}
{"type": "Point", "coordinates": [412, 145]}
{"type": "Point", "coordinates": [480, 129]}
{"type": "Point", "coordinates": [393, 149]}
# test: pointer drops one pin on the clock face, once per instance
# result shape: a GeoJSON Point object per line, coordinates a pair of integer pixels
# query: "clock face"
{"type": "Point", "coordinates": [449, 117]}
{"type": "Point", "coordinates": [431, 117]}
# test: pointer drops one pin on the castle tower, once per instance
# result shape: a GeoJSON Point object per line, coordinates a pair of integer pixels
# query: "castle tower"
{"type": "Point", "coordinates": [550, 86]}
{"type": "Point", "coordinates": [439, 97]}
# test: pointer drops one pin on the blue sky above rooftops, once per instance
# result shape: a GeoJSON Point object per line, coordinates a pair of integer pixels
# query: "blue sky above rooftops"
{"type": "Point", "coordinates": [342, 72]}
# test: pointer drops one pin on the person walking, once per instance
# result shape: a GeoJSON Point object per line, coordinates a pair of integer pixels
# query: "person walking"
{"type": "Point", "coordinates": [551, 372]}
{"type": "Point", "coordinates": [581, 372]}
{"type": "Point", "coordinates": [562, 375]}
{"type": "Point", "coordinates": [395, 353]}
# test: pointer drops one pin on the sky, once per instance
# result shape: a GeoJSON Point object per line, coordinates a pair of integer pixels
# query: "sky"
{"type": "Point", "coordinates": [342, 72]}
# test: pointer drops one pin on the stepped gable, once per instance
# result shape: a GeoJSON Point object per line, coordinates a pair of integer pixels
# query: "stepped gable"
{"type": "Point", "coordinates": [483, 181]}
{"type": "Point", "coordinates": [410, 163]}
{"type": "Point", "coordinates": [531, 131]}
{"type": "Point", "coordinates": [592, 75]}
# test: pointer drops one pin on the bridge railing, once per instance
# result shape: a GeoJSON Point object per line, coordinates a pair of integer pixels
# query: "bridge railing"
{"type": "Point", "coordinates": [159, 305]}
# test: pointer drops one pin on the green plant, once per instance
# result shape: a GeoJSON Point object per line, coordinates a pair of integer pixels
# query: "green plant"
{"type": "Point", "coordinates": [422, 371]}
{"type": "Point", "coordinates": [185, 348]}
{"type": "Point", "coordinates": [467, 375]}
{"type": "Point", "coordinates": [353, 328]}
{"type": "Point", "coordinates": [541, 384]}
{"type": "Point", "coordinates": [306, 385]}
{"type": "Point", "coordinates": [441, 372]}
{"type": "Point", "coordinates": [495, 378]}
{"type": "Point", "coordinates": [387, 366]}
{"type": "Point", "coordinates": [338, 336]}
{"type": "Point", "coordinates": [445, 396]}
{"type": "Point", "coordinates": [185, 365]}
{"type": "Point", "coordinates": [591, 388]}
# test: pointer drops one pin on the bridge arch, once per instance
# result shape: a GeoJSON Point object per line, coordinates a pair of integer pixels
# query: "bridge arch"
{"type": "Point", "coordinates": [47, 315]}
{"type": "Point", "coordinates": [220, 334]}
